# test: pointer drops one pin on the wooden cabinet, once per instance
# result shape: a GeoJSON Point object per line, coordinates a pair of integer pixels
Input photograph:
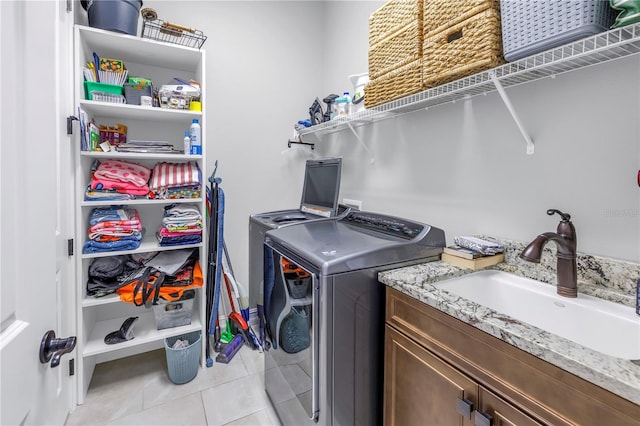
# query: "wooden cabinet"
{"type": "Point", "coordinates": [439, 393]}
{"type": "Point", "coordinates": [160, 62]}
{"type": "Point", "coordinates": [420, 388]}
{"type": "Point", "coordinates": [442, 371]}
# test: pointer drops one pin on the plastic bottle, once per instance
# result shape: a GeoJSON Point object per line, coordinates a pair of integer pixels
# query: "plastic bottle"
{"type": "Point", "coordinates": [187, 143]}
{"type": "Point", "coordinates": [196, 138]}
{"type": "Point", "coordinates": [343, 103]}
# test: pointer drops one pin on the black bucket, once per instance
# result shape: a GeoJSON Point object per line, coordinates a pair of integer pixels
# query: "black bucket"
{"type": "Point", "coordinates": [113, 15]}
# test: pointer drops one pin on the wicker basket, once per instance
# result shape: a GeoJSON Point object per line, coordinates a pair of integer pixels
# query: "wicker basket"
{"type": "Point", "coordinates": [469, 47]}
{"type": "Point", "coordinates": [393, 15]}
{"type": "Point", "coordinates": [438, 15]}
{"type": "Point", "coordinates": [398, 49]}
{"type": "Point", "coordinates": [403, 81]}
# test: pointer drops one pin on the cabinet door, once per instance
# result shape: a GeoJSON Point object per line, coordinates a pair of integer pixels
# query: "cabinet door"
{"type": "Point", "coordinates": [421, 389]}
{"type": "Point", "coordinates": [501, 411]}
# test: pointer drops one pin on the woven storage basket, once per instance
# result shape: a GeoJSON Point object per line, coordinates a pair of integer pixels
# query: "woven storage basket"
{"type": "Point", "coordinates": [398, 49]}
{"type": "Point", "coordinates": [393, 15]}
{"type": "Point", "coordinates": [441, 14]}
{"type": "Point", "coordinates": [530, 27]}
{"type": "Point", "coordinates": [398, 83]}
{"type": "Point", "coordinates": [467, 48]}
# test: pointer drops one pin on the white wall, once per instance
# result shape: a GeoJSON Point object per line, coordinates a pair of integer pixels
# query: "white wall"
{"type": "Point", "coordinates": [461, 166]}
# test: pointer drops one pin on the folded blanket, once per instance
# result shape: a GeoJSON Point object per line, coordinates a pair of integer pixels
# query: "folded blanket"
{"type": "Point", "coordinates": [111, 227]}
{"type": "Point", "coordinates": [123, 171]}
{"type": "Point", "coordinates": [124, 187]}
{"type": "Point", "coordinates": [167, 175]}
{"type": "Point", "coordinates": [164, 232]}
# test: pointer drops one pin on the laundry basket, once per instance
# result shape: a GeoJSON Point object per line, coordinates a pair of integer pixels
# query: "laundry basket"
{"type": "Point", "coordinates": [183, 363]}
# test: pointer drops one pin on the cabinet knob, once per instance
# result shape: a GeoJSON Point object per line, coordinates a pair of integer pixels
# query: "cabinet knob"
{"type": "Point", "coordinates": [464, 407]}
{"type": "Point", "coordinates": [482, 419]}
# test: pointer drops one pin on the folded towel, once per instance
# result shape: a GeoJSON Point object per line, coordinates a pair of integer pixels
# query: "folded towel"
{"type": "Point", "coordinates": [485, 247]}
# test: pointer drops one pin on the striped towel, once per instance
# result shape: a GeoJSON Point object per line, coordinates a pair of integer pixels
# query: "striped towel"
{"type": "Point", "coordinates": [168, 175]}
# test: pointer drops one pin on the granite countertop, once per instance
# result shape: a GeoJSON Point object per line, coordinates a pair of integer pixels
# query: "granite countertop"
{"type": "Point", "coordinates": [609, 279]}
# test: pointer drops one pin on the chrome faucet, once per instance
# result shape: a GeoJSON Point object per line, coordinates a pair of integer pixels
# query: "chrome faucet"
{"type": "Point", "coordinates": [565, 239]}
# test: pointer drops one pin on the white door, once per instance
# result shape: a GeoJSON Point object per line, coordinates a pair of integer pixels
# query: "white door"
{"type": "Point", "coordinates": [36, 211]}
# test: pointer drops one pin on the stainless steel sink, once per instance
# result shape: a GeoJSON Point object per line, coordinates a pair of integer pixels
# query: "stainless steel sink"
{"type": "Point", "coordinates": [603, 326]}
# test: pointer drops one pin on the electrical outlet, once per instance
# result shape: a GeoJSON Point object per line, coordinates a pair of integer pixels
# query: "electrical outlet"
{"type": "Point", "coordinates": [354, 204]}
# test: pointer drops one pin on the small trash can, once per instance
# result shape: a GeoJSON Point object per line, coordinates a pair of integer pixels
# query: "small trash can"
{"type": "Point", "coordinates": [183, 363]}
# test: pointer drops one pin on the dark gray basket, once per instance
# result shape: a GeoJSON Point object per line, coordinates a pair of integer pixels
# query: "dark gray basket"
{"type": "Point", "coordinates": [114, 15]}
{"type": "Point", "coordinates": [530, 27]}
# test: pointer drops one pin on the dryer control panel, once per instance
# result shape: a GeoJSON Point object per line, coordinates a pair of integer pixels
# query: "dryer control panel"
{"type": "Point", "coordinates": [397, 227]}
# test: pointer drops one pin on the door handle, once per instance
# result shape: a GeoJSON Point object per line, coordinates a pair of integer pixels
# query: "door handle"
{"type": "Point", "coordinates": [52, 348]}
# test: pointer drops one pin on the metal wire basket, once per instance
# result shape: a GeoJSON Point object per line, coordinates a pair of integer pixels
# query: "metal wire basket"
{"type": "Point", "coordinates": [157, 29]}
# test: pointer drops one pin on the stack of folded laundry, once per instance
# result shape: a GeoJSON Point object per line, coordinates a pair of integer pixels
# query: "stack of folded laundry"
{"type": "Point", "coordinates": [113, 228]}
{"type": "Point", "coordinates": [181, 224]}
{"type": "Point", "coordinates": [117, 180]}
{"type": "Point", "coordinates": [175, 180]}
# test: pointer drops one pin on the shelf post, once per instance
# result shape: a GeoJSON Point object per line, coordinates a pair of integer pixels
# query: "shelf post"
{"type": "Point", "coordinates": [507, 102]}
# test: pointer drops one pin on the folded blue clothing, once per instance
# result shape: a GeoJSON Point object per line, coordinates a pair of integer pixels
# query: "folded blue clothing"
{"type": "Point", "coordinates": [178, 241]}
{"type": "Point", "coordinates": [122, 244]}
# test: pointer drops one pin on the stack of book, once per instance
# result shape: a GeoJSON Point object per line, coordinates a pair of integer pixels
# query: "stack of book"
{"type": "Point", "coordinates": [469, 258]}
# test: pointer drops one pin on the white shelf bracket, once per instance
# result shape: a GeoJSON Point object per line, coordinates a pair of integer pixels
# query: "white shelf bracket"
{"type": "Point", "coordinates": [507, 103]}
{"type": "Point", "coordinates": [373, 159]}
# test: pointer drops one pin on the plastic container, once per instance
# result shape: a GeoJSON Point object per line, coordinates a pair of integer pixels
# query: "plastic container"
{"type": "Point", "coordinates": [530, 27]}
{"type": "Point", "coordinates": [91, 87]}
{"type": "Point", "coordinates": [176, 313]}
{"type": "Point", "coordinates": [133, 92]}
{"type": "Point", "coordinates": [343, 103]}
{"type": "Point", "coordinates": [187, 143]}
{"type": "Point", "coordinates": [113, 15]}
{"type": "Point", "coordinates": [183, 363]}
{"type": "Point", "coordinates": [195, 134]}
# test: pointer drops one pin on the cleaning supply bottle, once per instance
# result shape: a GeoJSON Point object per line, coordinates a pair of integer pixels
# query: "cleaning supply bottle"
{"type": "Point", "coordinates": [343, 103]}
{"type": "Point", "coordinates": [187, 143]}
{"type": "Point", "coordinates": [196, 138]}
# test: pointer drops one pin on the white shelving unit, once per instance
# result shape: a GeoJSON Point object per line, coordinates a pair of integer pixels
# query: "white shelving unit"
{"type": "Point", "coordinates": [160, 62]}
{"type": "Point", "coordinates": [597, 49]}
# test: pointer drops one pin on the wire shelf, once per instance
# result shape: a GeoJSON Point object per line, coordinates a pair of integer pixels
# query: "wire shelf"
{"type": "Point", "coordinates": [600, 48]}
{"type": "Point", "coordinates": [171, 33]}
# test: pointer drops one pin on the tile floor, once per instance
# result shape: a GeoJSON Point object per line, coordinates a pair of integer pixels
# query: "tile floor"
{"type": "Point", "coordinates": [137, 391]}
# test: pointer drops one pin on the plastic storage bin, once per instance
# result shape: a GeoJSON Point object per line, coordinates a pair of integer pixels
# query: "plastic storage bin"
{"type": "Point", "coordinates": [103, 92]}
{"type": "Point", "coordinates": [133, 92]}
{"type": "Point", "coordinates": [174, 314]}
{"type": "Point", "coordinates": [114, 15]}
{"type": "Point", "coordinates": [530, 27]}
{"type": "Point", "coordinates": [183, 363]}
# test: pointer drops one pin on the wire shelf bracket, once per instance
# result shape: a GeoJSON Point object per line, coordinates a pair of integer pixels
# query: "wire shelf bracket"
{"type": "Point", "coordinates": [512, 111]}
{"type": "Point", "coordinates": [373, 158]}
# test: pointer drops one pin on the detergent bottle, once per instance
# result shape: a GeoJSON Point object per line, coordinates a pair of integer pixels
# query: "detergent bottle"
{"type": "Point", "coordinates": [359, 81]}
{"type": "Point", "coordinates": [196, 137]}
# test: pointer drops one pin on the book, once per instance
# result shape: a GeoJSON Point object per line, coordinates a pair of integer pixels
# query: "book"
{"type": "Point", "coordinates": [475, 264]}
{"type": "Point", "coordinates": [463, 252]}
